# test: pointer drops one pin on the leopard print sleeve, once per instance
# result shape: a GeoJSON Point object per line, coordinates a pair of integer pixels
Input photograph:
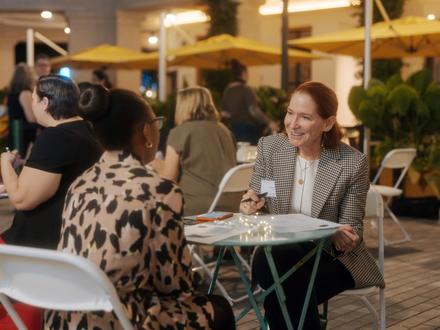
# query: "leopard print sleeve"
{"type": "Point", "coordinates": [170, 260]}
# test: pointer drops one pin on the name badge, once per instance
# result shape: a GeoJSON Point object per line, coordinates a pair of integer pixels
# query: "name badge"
{"type": "Point", "coordinates": [268, 186]}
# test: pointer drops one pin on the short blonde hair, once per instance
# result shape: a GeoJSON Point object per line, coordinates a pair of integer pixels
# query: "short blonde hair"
{"type": "Point", "coordinates": [195, 103]}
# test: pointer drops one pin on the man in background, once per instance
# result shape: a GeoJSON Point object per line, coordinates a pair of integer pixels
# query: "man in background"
{"type": "Point", "coordinates": [42, 65]}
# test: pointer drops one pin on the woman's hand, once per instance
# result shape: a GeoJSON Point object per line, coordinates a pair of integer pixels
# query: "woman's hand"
{"type": "Point", "coordinates": [252, 206]}
{"type": "Point", "coordinates": [345, 239]}
{"type": "Point", "coordinates": [9, 157]}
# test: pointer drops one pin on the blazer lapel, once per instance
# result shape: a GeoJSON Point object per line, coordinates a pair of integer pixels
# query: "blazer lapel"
{"type": "Point", "coordinates": [326, 177]}
{"type": "Point", "coordinates": [284, 175]}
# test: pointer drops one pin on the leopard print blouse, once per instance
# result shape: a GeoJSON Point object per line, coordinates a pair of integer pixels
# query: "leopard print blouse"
{"type": "Point", "coordinates": [127, 220]}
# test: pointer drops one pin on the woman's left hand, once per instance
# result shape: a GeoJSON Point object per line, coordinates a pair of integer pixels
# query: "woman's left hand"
{"type": "Point", "coordinates": [345, 239]}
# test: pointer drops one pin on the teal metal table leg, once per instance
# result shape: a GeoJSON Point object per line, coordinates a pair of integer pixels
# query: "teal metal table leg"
{"type": "Point", "coordinates": [221, 253]}
{"type": "Point", "coordinates": [278, 287]}
{"type": "Point", "coordinates": [311, 284]}
{"type": "Point", "coordinates": [248, 289]}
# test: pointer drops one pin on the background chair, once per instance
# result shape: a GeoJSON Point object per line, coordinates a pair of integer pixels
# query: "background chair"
{"type": "Point", "coordinates": [395, 159]}
{"type": "Point", "coordinates": [373, 209]}
{"type": "Point", "coordinates": [235, 180]}
{"type": "Point", "coordinates": [55, 280]}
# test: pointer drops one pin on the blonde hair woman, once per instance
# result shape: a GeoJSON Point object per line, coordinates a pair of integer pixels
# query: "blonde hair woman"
{"type": "Point", "coordinates": [200, 150]}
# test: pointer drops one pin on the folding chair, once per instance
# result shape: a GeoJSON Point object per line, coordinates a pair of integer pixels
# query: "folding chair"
{"type": "Point", "coordinates": [395, 159]}
{"type": "Point", "coordinates": [373, 209]}
{"type": "Point", "coordinates": [235, 180]}
{"type": "Point", "coordinates": [55, 280]}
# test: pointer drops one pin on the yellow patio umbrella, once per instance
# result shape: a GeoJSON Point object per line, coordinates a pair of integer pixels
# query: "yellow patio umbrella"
{"type": "Point", "coordinates": [104, 55]}
{"type": "Point", "coordinates": [404, 37]}
{"type": "Point", "coordinates": [216, 52]}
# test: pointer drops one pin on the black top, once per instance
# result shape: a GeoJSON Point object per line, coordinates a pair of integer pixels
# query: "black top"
{"type": "Point", "coordinates": [67, 149]}
{"type": "Point", "coordinates": [15, 110]}
{"type": "Point", "coordinates": [27, 131]}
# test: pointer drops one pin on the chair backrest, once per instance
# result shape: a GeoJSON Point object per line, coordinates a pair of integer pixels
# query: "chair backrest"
{"type": "Point", "coordinates": [56, 280]}
{"type": "Point", "coordinates": [395, 159]}
{"type": "Point", "coordinates": [374, 209]}
{"type": "Point", "coordinates": [235, 180]}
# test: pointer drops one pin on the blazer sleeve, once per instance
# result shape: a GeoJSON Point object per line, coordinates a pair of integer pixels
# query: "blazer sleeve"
{"type": "Point", "coordinates": [259, 168]}
{"type": "Point", "coordinates": [352, 207]}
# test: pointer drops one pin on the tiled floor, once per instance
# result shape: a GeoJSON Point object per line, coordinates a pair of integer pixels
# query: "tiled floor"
{"type": "Point", "coordinates": [412, 273]}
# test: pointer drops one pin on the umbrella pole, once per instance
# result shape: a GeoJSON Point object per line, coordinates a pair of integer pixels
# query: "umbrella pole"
{"type": "Point", "coordinates": [30, 47]}
{"type": "Point", "coordinates": [162, 59]}
{"type": "Point", "coordinates": [284, 36]}
{"type": "Point", "coordinates": [367, 65]}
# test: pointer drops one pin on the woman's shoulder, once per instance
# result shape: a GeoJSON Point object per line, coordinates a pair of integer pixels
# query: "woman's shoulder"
{"type": "Point", "coordinates": [274, 140]}
{"type": "Point", "coordinates": [349, 153]}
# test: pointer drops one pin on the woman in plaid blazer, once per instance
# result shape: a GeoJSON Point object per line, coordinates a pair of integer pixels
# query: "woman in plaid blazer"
{"type": "Point", "coordinates": [308, 170]}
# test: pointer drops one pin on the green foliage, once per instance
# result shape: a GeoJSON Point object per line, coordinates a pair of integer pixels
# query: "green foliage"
{"type": "Point", "coordinates": [216, 81]}
{"type": "Point", "coordinates": [383, 69]}
{"type": "Point", "coordinates": [165, 109]}
{"type": "Point", "coordinates": [394, 9]}
{"type": "Point", "coordinates": [273, 101]}
{"type": "Point", "coordinates": [223, 15]}
{"type": "Point", "coordinates": [403, 114]}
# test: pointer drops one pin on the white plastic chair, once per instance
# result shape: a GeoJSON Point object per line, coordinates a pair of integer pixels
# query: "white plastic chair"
{"type": "Point", "coordinates": [235, 180]}
{"type": "Point", "coordinates": [55, 280]}
{"type": "Point", "coordinates": [374, 209]}
{"type": "Point", "coordinates": [395, 159]}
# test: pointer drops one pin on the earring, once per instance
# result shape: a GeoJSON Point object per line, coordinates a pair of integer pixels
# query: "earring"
{"type": "Point", "coordinates": [148, 145]}
{"type": "Point", "coordinates": [323, 138]}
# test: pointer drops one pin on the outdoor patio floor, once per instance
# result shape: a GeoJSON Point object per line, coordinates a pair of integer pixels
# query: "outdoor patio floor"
{"type": "Point", "coordinates": [412, 274]}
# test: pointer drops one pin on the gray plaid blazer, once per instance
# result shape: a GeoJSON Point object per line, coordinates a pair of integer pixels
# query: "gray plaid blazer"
{"type": "Point", "coordinates": [339, 194]}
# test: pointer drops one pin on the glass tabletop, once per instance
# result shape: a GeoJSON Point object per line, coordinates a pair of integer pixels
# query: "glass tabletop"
{"type": "Point", "coordinates": [253, 230]}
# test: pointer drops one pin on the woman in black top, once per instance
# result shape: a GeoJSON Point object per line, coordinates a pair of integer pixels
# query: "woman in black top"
{"type": "Point", "coordinates": [61, 152]}
{"type": "Point", "coordinates": [22, 126]}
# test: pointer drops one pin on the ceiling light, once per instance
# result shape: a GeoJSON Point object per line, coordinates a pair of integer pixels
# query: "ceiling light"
{"type": "Point", "coordinates": [273, 7]}
{"type": "Point", "coordinates": [153, 40]}
{"type": "Point", "coordinates": [186, 17]}
{"type": "Point", "coordinates": [431, 17]}
{"type": "Point", "coordinates": [67, 30]}
{"type": "Point", "coordinates": [46, 14]}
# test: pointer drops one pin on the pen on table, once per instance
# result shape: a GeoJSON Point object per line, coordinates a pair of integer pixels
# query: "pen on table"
{"type": "Point", "coordinates": [250, 199]}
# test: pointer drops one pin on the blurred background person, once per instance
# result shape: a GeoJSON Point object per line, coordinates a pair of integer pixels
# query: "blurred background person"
{"type": "Point", "coordinates": [100, 77]}
{"type": "Point", "coordinates": [126, 219]}
{"type": "Point", "coordinates": [65, 148]}
{"type": "Point", "coordinates": [22, 122]}
{"type": "Point", "coordinates": [42, 65]}
{"type": "Point", "coordinates": [200, 150]}
{"type": "Point", "coordinates": [240, 106]}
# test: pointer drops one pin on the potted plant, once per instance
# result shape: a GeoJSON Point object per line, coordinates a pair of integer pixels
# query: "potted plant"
{"type": "Point", "coordinates": [404, 114]}
{"type": "Point", "coordinates": [273, 101]}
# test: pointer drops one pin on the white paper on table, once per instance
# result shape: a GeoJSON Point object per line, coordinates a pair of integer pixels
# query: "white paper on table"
{"type": "Point", "coordinates": [293, 223]}
{"type": "Point", "coordinates": [212, 232]}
